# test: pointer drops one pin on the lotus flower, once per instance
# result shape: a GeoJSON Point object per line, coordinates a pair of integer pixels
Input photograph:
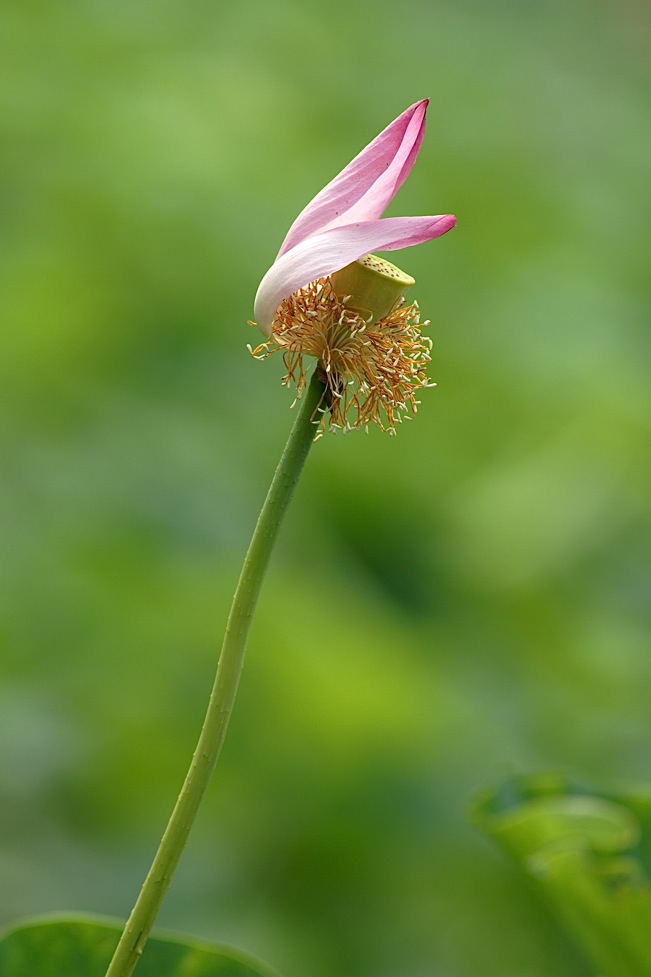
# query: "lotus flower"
{"type": "Point", "coordinates": [327, 296]}
{"type": "Point", "coordinates": [342, 223]}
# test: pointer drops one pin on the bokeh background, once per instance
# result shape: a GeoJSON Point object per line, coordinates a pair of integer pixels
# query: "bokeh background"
{"type": "Point", "coordinates": [470, 598]}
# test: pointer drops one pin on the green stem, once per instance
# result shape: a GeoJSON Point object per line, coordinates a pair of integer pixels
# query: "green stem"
{"type": "Point", "coordinates": [222, 698]}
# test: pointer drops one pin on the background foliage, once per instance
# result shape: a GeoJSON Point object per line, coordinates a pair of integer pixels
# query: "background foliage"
{"type": "Point", "coordinates": [470, 597]}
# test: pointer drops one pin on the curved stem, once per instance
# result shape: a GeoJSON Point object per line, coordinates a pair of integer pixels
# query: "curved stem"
{"type": "Point", "coordinates": [222, 698]}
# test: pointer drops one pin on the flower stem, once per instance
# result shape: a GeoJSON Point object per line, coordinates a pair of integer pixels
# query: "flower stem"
{"type": "Point", "coordinates": [222, 698]}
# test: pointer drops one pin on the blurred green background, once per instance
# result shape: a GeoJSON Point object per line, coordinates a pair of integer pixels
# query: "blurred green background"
{"type": "Point", "coordinates": [469, 598]}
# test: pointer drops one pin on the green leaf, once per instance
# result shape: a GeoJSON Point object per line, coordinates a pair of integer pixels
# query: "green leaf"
{"type": "Point", "coordinates": [581, 849]}
{"type": "Point", "coordinates": [82, 947]}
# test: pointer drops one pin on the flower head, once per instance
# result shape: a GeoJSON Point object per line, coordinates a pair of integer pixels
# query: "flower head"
{"type": "Point", "coordinates": [326, 295]}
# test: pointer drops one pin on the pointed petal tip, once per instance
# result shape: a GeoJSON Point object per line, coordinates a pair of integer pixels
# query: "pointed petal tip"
{"type": "Point", "coordinates": [442, 224]}
{"type": "Point", "coordinates": [366, 186]}
{"type": "Point", "coordinates": [421, 107]}
{"type": "Point", "coordinates": [418, 108]}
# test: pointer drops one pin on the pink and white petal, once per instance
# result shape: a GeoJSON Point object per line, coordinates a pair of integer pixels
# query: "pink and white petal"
{"type": "Point", "coordinates": [326, 253]}
{"type": "Point", "coordinates": [364, 189]}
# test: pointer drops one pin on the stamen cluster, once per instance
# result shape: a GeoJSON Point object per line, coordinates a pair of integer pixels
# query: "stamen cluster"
{"type": "Point", "coordinates": [372, 372]}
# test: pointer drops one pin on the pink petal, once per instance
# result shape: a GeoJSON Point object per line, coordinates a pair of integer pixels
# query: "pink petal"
{"type": "Point", "coordinates": [329, 251]}
{"type": "Point", "coordinates": [364, 189]}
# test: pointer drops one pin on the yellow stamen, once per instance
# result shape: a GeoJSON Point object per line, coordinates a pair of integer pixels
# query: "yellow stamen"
{"type": "Point", "coordinates": [372, 372]}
